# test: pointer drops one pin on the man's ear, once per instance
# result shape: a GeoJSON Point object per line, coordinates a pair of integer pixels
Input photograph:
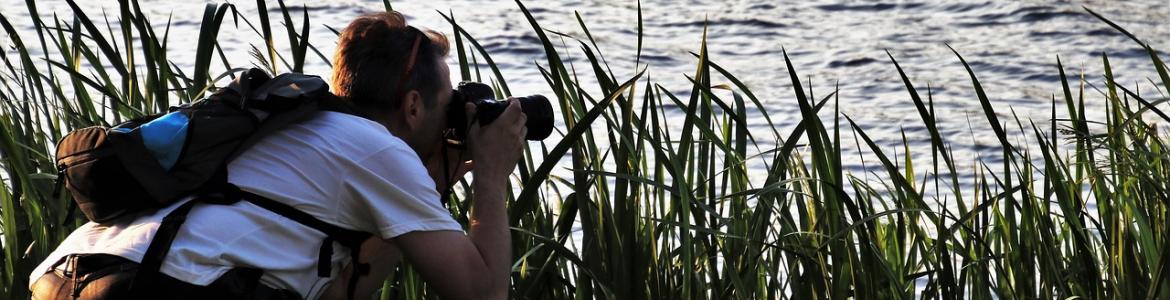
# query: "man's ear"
{"type": "Point", "coordinates": [411, 109]}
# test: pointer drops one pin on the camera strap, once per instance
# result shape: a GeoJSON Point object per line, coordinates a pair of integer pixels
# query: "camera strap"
{"type": "Point", "coordinates": [448, 175]}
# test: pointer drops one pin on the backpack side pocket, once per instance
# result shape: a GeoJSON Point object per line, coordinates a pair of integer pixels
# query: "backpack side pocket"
{"type": "Point", "coordinates": [95, 176]}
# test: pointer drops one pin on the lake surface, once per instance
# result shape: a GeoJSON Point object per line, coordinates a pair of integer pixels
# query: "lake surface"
{"type": "Point", "coordinates": [1012, 46]}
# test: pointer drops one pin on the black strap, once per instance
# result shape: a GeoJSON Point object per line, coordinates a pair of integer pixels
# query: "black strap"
{"type": "Point", "coordinates": [351, 239]}
{"type": "Point", "coordinates": [344, 236]}
{"type": "Point", "coordinates": [156, 252]}
{"type": "Point", "coordinates": [148, 268]}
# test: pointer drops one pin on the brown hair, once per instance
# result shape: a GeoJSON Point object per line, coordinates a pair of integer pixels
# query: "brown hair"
{"type": "Point", "coordinates": [372, 55]}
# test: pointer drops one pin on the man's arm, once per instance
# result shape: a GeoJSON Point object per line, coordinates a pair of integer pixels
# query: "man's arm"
{"type": "Point", "coordinates": [471, 266]}
{"type": "Point", "coordinates": [478, 264]}
{"type": "Point", "coordinates": [459, 266]}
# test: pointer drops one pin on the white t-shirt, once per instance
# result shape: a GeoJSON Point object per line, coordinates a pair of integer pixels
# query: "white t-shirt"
{"type": "Point", "coordinates": [341, 169]}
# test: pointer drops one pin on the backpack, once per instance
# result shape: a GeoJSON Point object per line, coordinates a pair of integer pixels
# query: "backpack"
{"type": "Point", "coordinates": [154, 161]}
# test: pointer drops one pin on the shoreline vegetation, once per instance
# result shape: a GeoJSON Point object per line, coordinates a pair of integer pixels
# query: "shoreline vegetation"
{"type": "Point", "coordinates": [663, 214]}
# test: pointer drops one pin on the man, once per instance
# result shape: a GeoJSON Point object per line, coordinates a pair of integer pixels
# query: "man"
{"type": "Point", "coordinates": [375, 173]}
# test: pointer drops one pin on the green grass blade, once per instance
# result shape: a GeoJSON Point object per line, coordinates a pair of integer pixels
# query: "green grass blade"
{"type": "Point", "coordinates": [208, 32]}
{"type": "Point", "coordinates": [486, 57]}
{"type": "Point", "coordinates": [527, 196]}
{"type": "Point", "coordinates": [266, 28]}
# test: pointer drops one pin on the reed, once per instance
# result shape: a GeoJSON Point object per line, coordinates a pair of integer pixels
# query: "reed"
{"type": "Point", "coordinates": [651, 210]}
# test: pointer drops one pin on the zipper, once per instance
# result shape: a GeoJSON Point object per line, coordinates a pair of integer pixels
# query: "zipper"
{"type": "Point", "coordinates": [86, 155]}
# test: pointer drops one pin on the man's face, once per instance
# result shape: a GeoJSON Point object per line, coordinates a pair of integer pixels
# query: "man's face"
{"type": "Point", "coordinates": [430, 134]}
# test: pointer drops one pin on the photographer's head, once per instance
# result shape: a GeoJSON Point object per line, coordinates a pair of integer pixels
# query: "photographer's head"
{"type": "Point", "coordinates": [395, 74]}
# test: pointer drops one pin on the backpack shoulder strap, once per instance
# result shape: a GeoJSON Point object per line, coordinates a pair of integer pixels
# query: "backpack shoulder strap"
{"type": "Point", "coordinates": [148, 270]}
{"type": "Point", "coordinates": [346, 237]}
{"type": "Point", "coordinates": [146, 278]}
{"type": "Point", "coordinates": [351, 239]}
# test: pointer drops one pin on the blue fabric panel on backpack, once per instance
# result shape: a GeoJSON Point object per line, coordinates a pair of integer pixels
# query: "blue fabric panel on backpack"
{"type": "Point", "coordinates": [164, 137]}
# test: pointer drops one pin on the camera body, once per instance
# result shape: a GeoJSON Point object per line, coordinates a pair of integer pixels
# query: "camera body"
{"type": "Point", "coordinates": [536, 108]}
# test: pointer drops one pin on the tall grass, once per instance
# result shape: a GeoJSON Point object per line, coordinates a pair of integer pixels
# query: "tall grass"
{"type": "Point", "coordinates": [651, 209]}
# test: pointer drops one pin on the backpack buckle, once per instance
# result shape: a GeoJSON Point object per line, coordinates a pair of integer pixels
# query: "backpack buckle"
{"type": "Point", "coordinates": [223, 194]}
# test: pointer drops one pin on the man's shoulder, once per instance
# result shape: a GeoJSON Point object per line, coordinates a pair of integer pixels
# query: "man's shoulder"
{"type": "Point", "coordinates": [336, 127]}
{"type": "Point", "coordinates": [325, 139]}
{"type": "Point", "coordinates": [347, 122]}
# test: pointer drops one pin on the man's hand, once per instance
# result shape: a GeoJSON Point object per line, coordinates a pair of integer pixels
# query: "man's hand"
{"type": "Point", "coordinates": [448, 165]}
{"type": "Point", "coordinates": [497, 147]}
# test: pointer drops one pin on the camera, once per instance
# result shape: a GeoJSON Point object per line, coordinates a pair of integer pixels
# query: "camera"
{"type": "Point", "coordinates": [536, 107]}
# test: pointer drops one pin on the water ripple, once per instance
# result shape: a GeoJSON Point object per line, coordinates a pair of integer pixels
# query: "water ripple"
{"type": "Point", "coordinates": [876, 7]}
{"type": "Point", "coordinates": [749, 22]}
{"type": "Point", "coordinates": [1011, 45]}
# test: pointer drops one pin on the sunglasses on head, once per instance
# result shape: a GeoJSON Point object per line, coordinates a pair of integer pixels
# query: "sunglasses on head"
{"type": "Point", "coordinates": [410, 61]}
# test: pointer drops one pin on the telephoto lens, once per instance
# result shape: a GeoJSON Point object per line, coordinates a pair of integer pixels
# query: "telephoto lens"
{"type": "Point", "coordinates": [536, 108]}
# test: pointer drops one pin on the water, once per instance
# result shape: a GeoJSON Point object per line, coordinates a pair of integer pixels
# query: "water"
{"type": "Point", "coordinates": [1011, 45]}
